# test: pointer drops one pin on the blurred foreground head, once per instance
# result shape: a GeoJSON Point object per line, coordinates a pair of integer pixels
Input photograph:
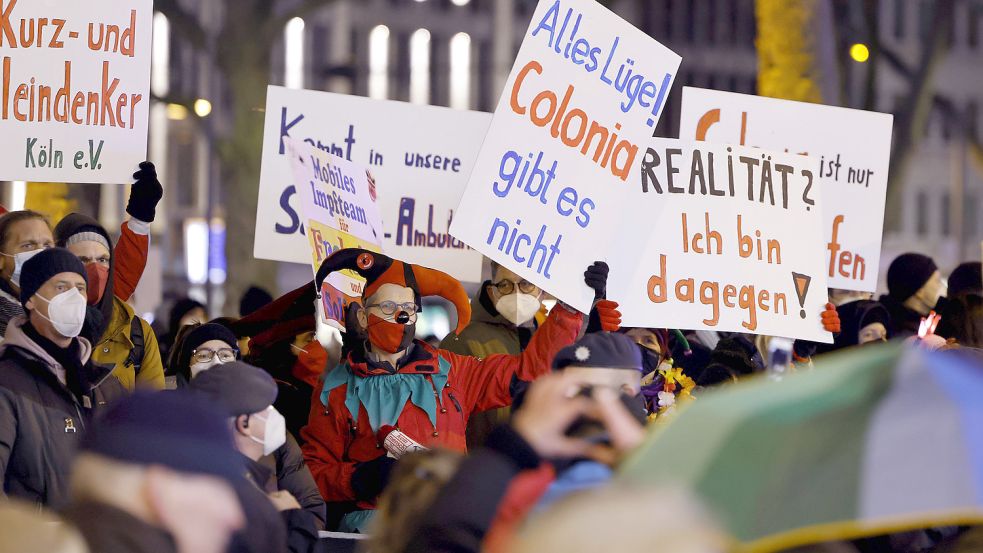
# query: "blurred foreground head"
{"type": "Point", "coordinates": [621, 519]}
{"type": "Point", "coordinates": [167, 460]}
{"type": "Point", "coordinates": [414, 484]}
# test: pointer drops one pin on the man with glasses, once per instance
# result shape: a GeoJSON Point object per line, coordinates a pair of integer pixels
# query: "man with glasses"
{"type": "Point", "coordinates": [505, 313]}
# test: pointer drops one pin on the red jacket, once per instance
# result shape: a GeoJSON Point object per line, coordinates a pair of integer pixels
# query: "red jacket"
{"type": "Point", "coordinates": [336, 440]}
{"type": "Point", "coordinates": [130, 259]}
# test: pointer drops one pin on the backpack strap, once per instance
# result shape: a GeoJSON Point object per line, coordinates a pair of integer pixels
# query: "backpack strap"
{"type": "Point", "coordinates": [135, 359]}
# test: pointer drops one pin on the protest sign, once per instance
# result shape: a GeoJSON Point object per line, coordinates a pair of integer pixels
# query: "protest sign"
{"type": "Point", "coordinates": [724, 238]}
{"type": "Point", "coordinates": [339, 208]}
{"type": "Point", "coordinates": [420, 157]}
{"type": "Point", "coordinates": [586, 90]}
{"type": "Point", "coordinates": [853, 148]}
{"type": "Point", "coordinates": [75, 89]}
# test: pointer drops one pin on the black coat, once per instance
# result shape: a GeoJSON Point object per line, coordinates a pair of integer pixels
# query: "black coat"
{"type": "Point", "coordinates": [464, 509]}
{"type": "Point", "coordinates": [289, 472]}
{"type": "Point", "coordinates": [41, 421]}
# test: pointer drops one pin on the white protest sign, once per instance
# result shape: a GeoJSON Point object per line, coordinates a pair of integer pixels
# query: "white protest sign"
{"type": "Point", "coordinates": [585, 92]}
{"type": "Point", "coordinates": [75, 89]}
{"type": "Point", "coordinates": [853, 148]}
{"type": "Point", "coordinates": [340, 211]}
{"type": "Point", "coordinates": [722, 237]}
{"type": "Point", "coordinates": [420, 157]}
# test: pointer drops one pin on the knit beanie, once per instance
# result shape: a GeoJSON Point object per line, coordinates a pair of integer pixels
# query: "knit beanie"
{"type": "Point", "coordinates": [42, 267]}
{"type": "Point", "coordinates": [907, 274]}
{"type": "Point", "coordinates": [174, 429]}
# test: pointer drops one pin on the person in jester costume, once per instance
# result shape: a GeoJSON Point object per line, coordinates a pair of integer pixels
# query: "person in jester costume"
{"type": "Point", "coordinates": [390, 380]}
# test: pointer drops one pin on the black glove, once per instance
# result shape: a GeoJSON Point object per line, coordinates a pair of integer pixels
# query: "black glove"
{"type": "Point", "coordinates": [145, 193]}
{"type": "Point", "coordinates": [370, 478]}
{"type": "Point", "coordinates": [596, 277]}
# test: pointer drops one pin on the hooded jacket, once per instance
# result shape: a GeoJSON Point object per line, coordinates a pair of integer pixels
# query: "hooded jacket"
{"type": "Point", "coordinates": [41, 419]}
{"type": "Point", "coordinates": [116, 341]}
{"type": "Point", "coordinates": [430, 398]}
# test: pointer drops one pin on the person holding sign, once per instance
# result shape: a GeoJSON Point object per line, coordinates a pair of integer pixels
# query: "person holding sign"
{"type": "Point", "coordinates": [394, 380]}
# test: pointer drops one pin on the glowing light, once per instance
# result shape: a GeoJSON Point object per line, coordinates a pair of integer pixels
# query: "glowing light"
{"type": "Point", "coordinates": [202, 107]}
{"type": "Point", "coordinates": [379, 62]}
{"type": "Point", "coordinates": [859, 52]}
{"type": "Point", "coordinates": [460, 71]}
{"type": "Point", "coordinates": [294, 53]}
{"type": "Point", "coordinates": [460, 2]}
{"type": "Point", "coordinates": [420, 67]}
{"type": "Point", "coordinates": [177, 112]}
{"type": "Point", "coordinates": [160, 72]}
{"type": "Point", "coordinates": [18, 195]}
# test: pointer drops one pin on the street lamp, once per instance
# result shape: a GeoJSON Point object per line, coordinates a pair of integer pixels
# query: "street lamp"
{"type": "Point", "coordinates": [859, 52]}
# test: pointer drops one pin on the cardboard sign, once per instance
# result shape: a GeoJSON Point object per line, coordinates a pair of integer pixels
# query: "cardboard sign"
{"type": "Point", "coordinates": [566, 142]}
{"type": "Point", "coordinates": [75, 89]}
{"type": "Point", "coordinates": [420, 157]}
{"type": "Point", "coordinates": [722, 237]}
{"type": "Point", "coordinates": [853, 148]}
{"type": "Point", "coordinates": [340, 211]}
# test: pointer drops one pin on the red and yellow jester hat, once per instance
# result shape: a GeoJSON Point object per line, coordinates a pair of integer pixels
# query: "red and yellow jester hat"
{"type": "Point", "coordinates": [378, 269]}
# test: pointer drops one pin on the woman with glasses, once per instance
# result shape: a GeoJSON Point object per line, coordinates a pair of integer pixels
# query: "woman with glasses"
{"type": "Point", "coordinates": [199, 348]}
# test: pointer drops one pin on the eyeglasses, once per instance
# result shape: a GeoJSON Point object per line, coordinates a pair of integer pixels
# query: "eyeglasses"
{"type": "Point", "coordinates": [391, 307]}
{"type": "Point", "coordinates": [225, 355]}
{"type": "Point", "coordinates": [506, 287]}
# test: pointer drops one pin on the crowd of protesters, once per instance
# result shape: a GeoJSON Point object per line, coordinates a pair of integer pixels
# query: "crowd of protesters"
{"type": "Point", "coordinates": [261, 432]}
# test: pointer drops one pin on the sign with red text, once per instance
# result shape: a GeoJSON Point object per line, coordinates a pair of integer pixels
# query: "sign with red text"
{"type": "Point", "coordinates": [75, 89]}
{"type": "Point", "coordinates": [721, 237]}
{"type": "Point", "coordinates": [420, 157]}
{"type": "Point", "coordinates": [853, 148]}
{"type": "Point", "coordinates": [566, 142]}
{"type": "Point", "coordinates": [340, 208]}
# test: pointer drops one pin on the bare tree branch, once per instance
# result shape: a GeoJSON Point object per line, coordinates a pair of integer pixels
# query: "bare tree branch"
{"type": "Point", "coordinates": [183, 23]}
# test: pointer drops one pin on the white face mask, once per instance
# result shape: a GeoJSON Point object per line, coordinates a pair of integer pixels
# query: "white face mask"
{"type": "Point", "coordinates": [66, 312]}
{"type": "Point", "coordinates": [19, 260]}
{"type": "Point", "coordinates": [276, 431]}
{"type": "Point", "coordinates": [202, 367]}
{"type": "Point", "coordinates": [518, 308]}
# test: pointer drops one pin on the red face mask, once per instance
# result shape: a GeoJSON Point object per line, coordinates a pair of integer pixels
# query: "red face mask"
{"type": "Point", "coordinates": [311, 363]}
{"type": "Point", "coordinates": [390, 336]}
{"type": "Point", "coordinates": [98, 276]}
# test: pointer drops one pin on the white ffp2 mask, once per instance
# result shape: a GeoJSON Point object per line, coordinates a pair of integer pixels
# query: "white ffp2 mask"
{"type": "Point", "coordinates": [19, 260]}
{"type": "Point", "coordinates": [276, 431]}
{"type": "Point", "coordinates": [66, 312]}
{"type": "Point", "coordinates": [518, 308]}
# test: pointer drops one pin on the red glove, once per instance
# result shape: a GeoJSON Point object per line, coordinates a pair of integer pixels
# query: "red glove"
{"type": "Point", "coordinates": [607, 311]}
{"type": "Point", "coordinates": [831, 319]}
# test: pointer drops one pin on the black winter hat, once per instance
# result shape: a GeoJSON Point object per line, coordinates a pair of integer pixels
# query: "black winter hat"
{"type": "Point", "coordinates": [966, 279]}
{"type": "Point", "coordinates": [208, 331]}
{"type": "Point", "coordinates": [601, 350]}
{"type": "Point", "coordinates": [907, 274]}
{"type": "Point", "coordinates": [40, 268]}
{"type": "Point", "coordinates": [173, 429]}
{"type": "Point", "coordinates": [253, 300]}
{"type": "Point", "coordinates": [238, 388]}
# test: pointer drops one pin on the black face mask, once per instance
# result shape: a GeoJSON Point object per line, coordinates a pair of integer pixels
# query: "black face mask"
{"type": "Point", "coordinates": [650, 360]}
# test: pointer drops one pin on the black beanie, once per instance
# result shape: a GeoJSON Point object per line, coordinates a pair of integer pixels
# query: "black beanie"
{"type": "Point", "coordinates": [174, 429]}
{"type": "Point", "coordinates": [966, 279]}
{"type": "Point", "coordinates": [40, 268]}
{"type": "Point", "coordinates": [907, 274]}
{"type": "Point", "coordinates": [206, 332]}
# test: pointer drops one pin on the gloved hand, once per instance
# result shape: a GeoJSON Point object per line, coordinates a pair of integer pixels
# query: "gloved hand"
{"type": "Point", "coordinates": [145, 193]}
{"type": "Point", "coordinates": [371, 477]}
{"type": "Point", "coordinates": [604, 317]}
{"type": "Point", "coordinates": [596, 277]}
{"type": "Point", "coordinates": [831, 319]}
